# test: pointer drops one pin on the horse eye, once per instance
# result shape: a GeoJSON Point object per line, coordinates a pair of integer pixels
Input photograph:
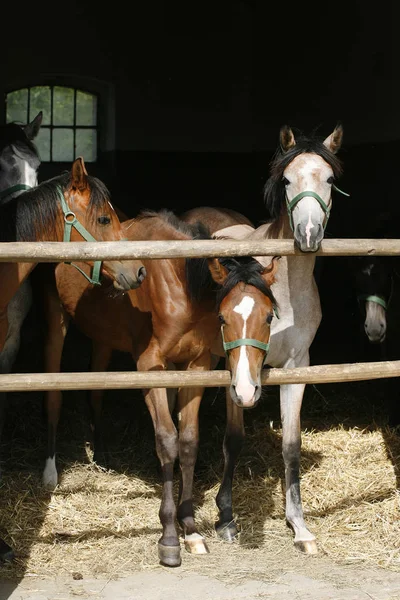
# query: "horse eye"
{"type": "Point", "coordinates": [330, 180]}
{"type": "Point", "coordinates": [269, 319]}
{"type": "Point", "coordinates": [221, 319]}
{"type": "Point", "coordinates": [285, 181]}
{"type": "Point", "coordinates": [104, 220]}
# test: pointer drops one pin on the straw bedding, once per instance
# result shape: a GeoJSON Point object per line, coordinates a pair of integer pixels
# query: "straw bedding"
{"type": "Point", "coordinates": [105, 521]}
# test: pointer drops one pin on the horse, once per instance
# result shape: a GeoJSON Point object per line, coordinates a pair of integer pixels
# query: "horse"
{"type": "Point", "coordinates": [176, 316]}
{"type": "Point", "coordinates": [19, 163]}
{"type": "Point", "coordinates": [72, 206]}
{"type": "Point", "coordinates": [298, 196]}
{"type": "Point", "coordinates": [373, 280]}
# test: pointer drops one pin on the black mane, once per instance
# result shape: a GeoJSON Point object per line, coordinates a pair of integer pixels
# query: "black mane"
{"type": "Point", "coordinates": [15, 134]}
{"type": "Point", "coordinates": [35, 214]}
{"type": "Point", "coordinates": [244, 269]}
{"type": "Point", "coordinates": [274, 189]}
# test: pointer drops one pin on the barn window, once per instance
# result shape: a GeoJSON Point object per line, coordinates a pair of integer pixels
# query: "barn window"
{"type": "Point", "coordinates": [69, 127]}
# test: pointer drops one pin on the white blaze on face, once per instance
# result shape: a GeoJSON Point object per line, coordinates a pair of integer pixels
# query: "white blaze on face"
{"type": "Point", "coordinates": [309, 226]}
{"type": "Point", "coordinates": [28, 173]}
{"type": "Point", "coordinates": [244, 387]}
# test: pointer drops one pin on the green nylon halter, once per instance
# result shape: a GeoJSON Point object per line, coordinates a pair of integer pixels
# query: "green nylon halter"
{"type": "Point", "coordinates": [372, 298]}
{"type": "Point", "coordinates": [68, 225]}
{"type": "Point", "coordinates": [291, 205]}
{"type": "Point", "coordinates": [243, 342]}
{"type": "Point", "coordinates": [19, 187]}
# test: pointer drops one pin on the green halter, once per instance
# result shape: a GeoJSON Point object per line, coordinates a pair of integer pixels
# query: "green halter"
{"type": "Point", "coordinates": [243, 342]}
{"type": "Point", "coordinates": [19, 187]}
{"type": "Point", "coordinates": [373, 298]}
{"type": "Point", "coordinates": [291, 205]}
{"type": "Point", "coordinates": [71, 221]}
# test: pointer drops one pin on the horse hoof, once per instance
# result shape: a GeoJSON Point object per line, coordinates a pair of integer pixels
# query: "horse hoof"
{"type": "Point", "coordinates": [307, 546]}
{"type": "Point", "coordinates": [6, 553]}
{"type": "Point", "coordinates": [195, 544]}
{"type": "Point", "coordinates": [50, 475]}
{"type": "Point", "coordinates": [228, 532]}
{"type": "Point", "coordinates": [170, 556]}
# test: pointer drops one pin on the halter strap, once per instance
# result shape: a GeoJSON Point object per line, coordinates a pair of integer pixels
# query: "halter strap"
{"type": "Point", "coordinates": [291, 205]}
{"type": "Point", "coordinates": [243, 342]}
{"type": "Point", "coordinates": [19, 187]}
{"type": "Point", "coordinates": [71, 221]}
{"type": "Point", "coordinates": [373, 298]}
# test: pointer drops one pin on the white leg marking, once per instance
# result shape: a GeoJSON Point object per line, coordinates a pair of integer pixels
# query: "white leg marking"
{"type": "Point", "coordinates": [50, 475]}
{"type": "Point", "coordinates": [244, 388]}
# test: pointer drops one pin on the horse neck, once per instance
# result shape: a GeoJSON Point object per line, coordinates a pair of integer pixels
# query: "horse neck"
{"type": "Point", "coordinates": [299, 268]}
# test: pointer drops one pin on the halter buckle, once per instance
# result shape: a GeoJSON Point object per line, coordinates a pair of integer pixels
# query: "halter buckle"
{"type": "Point", "coordinates": [70, 214]}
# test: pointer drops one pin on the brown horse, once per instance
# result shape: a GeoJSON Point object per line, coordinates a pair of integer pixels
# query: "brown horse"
{"type": "Point", "coordinates": [74, 201]}
{"type": "Point", "coordinates": [43, 213]}
{"type": "Point", "coordinates": [176, 316]}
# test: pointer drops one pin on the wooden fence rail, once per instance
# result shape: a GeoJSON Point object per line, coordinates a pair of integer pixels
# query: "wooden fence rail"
{"type": "Point", "coordinates": [83, 251]}
{"type": "Point", "coordinates": [87, 251]}
{"type": "Point", "coordinates": [30, 382]}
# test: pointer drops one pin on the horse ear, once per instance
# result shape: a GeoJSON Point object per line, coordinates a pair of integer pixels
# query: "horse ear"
{"type": "Point", "coordinates": [79, 174]}
{"type": "Point", "coordinates": [286, 138]}
{"type": "Point", "coordinates": [218, 272]}
{"type": "Point", "coordinates": [334, 141]}
{"type": "Point", "coordinates": [270, 271]}
{"type": "Point", "coordinates": [32, 129]}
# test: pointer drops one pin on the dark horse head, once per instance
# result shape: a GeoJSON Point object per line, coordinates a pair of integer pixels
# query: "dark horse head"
{"type": "Point", "coordinates": [373, 283]}
{"type": "Point", "coordinates": [19, 158]}
{"type": "Point", "coordinates": [303, 172]}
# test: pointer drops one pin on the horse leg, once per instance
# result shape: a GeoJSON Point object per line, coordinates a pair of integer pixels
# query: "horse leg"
{"type": "Point", "coordinates": [233, 441]}
{"type": "Point", "coordinates": [57, 326]}
{"type": "Point", "coordinates": [101, 356]}
{"type": "Point", "coordinates": [166, 438]}
{"type": "Point", "coordinates": [291, 397]}
{"type": "Point", "coordinates": [188, 412]}
{"type": "Point", "coordinates": [17, 312]}
{"type": "Point", "coordinates": [172, 393]}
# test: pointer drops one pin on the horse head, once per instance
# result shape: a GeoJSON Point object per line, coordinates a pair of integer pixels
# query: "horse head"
{"type": "Point", "coordinates": [302, 176]}
{"type": "Point", "coordinates": [19, 157]}
{"type": "Point", "coordinates": [246, 309]}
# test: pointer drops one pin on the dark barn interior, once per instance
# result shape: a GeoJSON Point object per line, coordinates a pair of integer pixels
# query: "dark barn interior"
{"type": "Point", "coordinates": [191, 98]}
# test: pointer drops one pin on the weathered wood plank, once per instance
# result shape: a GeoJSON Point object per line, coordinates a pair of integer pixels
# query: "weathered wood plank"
{"type": "Point", "coordinates": [29, 382]}
{"type": "Point", "coordinates": [87, 251]}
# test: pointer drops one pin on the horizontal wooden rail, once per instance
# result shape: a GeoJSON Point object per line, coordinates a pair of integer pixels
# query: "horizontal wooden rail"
{"type": "Point", "coordinates": [29, 382]}
{"type": "Point", "coordinates": [87, 251]}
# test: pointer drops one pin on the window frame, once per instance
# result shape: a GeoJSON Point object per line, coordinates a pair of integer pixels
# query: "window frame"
{"type": "Point", "coordinates": [51, 127]}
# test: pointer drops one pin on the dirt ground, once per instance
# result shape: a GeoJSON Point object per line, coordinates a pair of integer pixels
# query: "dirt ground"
{"type": "Point", "coordinates": [304, 579]}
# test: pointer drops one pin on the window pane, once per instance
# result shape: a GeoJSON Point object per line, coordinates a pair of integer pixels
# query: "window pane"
{"type": "Point", "coordinates": [17, 106]}
{"type": "Point", "coordinates": [63, 145]}
{"type": "Point", "coordinates": [40, 100]}
{"type": "Point", "coordinates": [42, 142]}
{"type": "Point", "coordinates": [86, 109]}
{"type": "Point", "coordinates": [86, 144]}
{"type": "Point", "coordinates": [63, 106]}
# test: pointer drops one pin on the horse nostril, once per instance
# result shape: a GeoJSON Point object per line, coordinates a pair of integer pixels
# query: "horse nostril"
{"type": "Point", "coordinates": [141, 274]}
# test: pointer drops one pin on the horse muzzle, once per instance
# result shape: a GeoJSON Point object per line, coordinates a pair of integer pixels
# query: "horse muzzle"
{"type": "Point", "coordinates": [247, 398]}
{"type": "Point", "coordinates": [308, 240]}
{"type": "Point", "coordinates": [129, 280]}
